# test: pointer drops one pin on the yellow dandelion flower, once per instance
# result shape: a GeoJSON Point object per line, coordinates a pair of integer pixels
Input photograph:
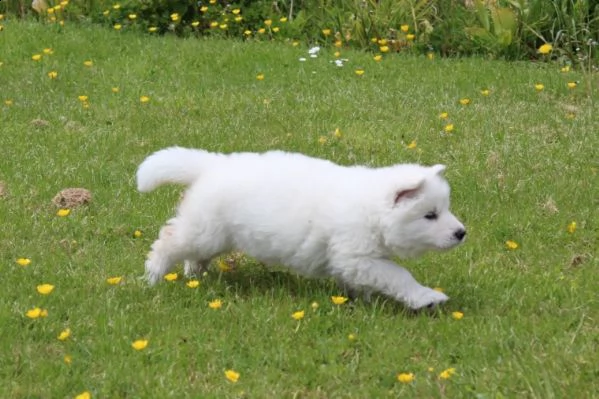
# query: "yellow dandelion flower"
{"type": "Point", "coordinates": [464, 101]}
{"type": "Point", "coordinates": [247, 32]}
{"type": "Point", "coordinates": [84, 395]}
{"type": "Point", "coordinates": [223, 26]}
{"type": "Point", "coordinates": [572, 85]}
{"type": "Point", "coordinates": [63, 212]}
{"type": "Point", "coordinates": [351, 337]}
{"type": "Point", "coordinates": [545, 49]}
{"type": "Point", "coordinates": [232, 375]}
{"type": "Point", "coordinates": [23, 261]}
{"type": "Point", "coordinates": [139, 344]}
{"type": "Point", "coordinates": [224, 266]}
{"type": "Point", "coordinates": [132, 16]}
{"type": "Point", "coordinates": [326, 32]}
{"type": "Point", "coordinates": [359, 72]}
{"type": "Point", "coordinates": [457, 315]}
{"type": "Point", "coordinates": [68, 359]}
{"type": "Point", "coordinates": [213, 24]}
{"type": "Point", "coordinates": [322, 140]}
{"type": "Point", "coordinates": [8, 102]}
{"type": "Point", "coordinates": [114, 280]}
{"type": "Point", "coordinates": [337, 54]}
{"type": "Point", "coordinates": [45, 289]}
{"type": "Point", "coordinates": [485, 92]}
{"type": "Point", "coordinates": [261, 31]}
{"type": "Point", "coordinates": [314, 305]}
{"type": "Point", "coordinates": [337, 133]}
{"type": "Point", "coordinates": [295, 43]}
{"type": "Point", "coordinates": [339, 300]}
{"type": "Point", "coordinates": [443, 115]}
{"type": "Point", "coordinates": [36, 57]}
{"type": "Point", "coordinates": [52, 74]}
{"type": "Point", "coordinates": [374, 39]}
{"type": "Point", "coordinates": [410, 36]}
{"type": "Point", "coordinates": [377, 57]}
{"type": "Point", "coordinates": [283, 19]}
{"type": "Point", "coordinates": [152, 29]}
{"type": "Point", "coordinates": [34, 313]}
{"type": "Point", "coordinates": [106, 13]}
{"type": "Point", "coordinates": [539, 86]}
{"type": "Point", "coordinates": [83, 98]}
{"type": "Point", "coordinates": [239, 18]}
{"type": "Point", "coordinates": [204, 9]}
{"type": "Point", "coordinates": [338, 43]}
{"type": "Point", "coordinates": [430, 56]}
{"type": "Point", "coordinates": [412, 145]}
{"type": "Point", "coordinates": [404, 28]}
{"type": "Point", "coordinates": [382, 42]}
{"type": "Point", "coordinates": [116, 6]}
{"type": "Point", "coordinates": [117, 26]}
{"type": "Point", "coordinates": [298, 315]}
{"type": "Point", "coordinates": [235, 11]}
{"type": "Point", "coordinates": [448, 128]}
{"type": "Point", "coordinates": [171, 276]}
{"type": "Point", "coordinates": [137, 233]}
{"type": "Point", "coordinates": [88, 63]}
{"type": "Point", "coordinates": [268, 22]}
{"type": "Point", "coordinates": [570, 115]}
{"type": "Point", "coordinates": [509, 244]}
{"type": "Point", "coordinates": [44, 313]}
{"type": "Point", "coordinates": [260, 76]}
{"type": "Point", "coordinates": [215, 304]}
{"type": "Point", "coordinates": [571, 227]}
{"type": "Point", "coordinates": [48, 51]}
{"type": "Point", "coordinates": [64, 334]}
{"type": "Point", "coordinates": [64, 3]}
{"type": "Point", "coordinates": [565, 69]}
{"type": "Point", "coordinates": [384, 49]}
{"type": "Point", "coordinates": [195, 24]}
{"type": "Point", "coordinates": [175, 17]}
{"type": "Point", "coordinates": [431, 369]}
{"type": "Point", "coordinates": [193, 284]}
{"type": "Point", "coordinates": [447, 373]}
{"type": "Point", "coordinates": [405, 378]}
{"type": "Point", "coordinates": [144, 99]}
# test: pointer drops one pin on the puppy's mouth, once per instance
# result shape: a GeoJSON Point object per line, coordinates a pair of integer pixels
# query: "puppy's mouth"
{"type": "Point", "coordinates": [451, 243]}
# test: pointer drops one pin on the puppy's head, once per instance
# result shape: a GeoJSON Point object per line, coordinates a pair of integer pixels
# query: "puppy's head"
{"type": "Point", "coordinates": [418, 218]}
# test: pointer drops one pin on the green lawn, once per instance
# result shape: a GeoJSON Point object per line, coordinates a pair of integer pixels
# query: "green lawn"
{"type": "Point", "coordinates": [523, 165]}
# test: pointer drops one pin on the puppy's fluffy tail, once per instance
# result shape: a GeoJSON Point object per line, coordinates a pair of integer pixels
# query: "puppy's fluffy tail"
{"type": "Point", "coordinates": [172, 165]}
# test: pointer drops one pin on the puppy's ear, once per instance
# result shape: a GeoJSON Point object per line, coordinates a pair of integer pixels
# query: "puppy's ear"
{"type": "Point", "coordinates": [438, 169]}
{"type": "Point", "coordinates": [408, 191]}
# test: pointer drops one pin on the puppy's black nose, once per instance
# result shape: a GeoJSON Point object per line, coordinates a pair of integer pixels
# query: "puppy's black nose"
{"type": "Point", "coordinates": [460, 234]}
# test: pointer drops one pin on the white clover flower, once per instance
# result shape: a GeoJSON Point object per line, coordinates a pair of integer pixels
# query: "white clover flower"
{"type": "Point", "coordinates": [314, 50]}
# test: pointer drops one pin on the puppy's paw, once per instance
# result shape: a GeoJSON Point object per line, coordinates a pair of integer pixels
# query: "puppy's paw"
{"type": "Point", "coordinates": [426, 298]}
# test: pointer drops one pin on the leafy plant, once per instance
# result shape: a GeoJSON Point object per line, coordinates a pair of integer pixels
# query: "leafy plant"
{"type": "Point", "coordinates": [497, 26]}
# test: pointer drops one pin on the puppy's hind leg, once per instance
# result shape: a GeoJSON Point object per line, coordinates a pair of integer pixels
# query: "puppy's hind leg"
{"type": "Point", "coordinates": [167, 250]}
{"type": "Point", "coordinates": [193, 267]}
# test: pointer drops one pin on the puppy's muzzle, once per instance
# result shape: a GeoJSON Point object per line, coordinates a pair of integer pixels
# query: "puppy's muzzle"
{"type": "Point", "coordinates": [459, 234]}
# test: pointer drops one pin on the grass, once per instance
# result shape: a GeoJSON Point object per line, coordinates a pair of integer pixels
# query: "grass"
{"type": "Point", "coordinates": [522, 164]}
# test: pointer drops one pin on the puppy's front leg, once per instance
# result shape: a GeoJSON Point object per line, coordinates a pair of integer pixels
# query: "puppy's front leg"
{"type": "Point", "coordinates": [390, 279]}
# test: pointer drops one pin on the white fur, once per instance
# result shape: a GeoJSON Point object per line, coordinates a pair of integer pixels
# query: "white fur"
{"type": "Point", "coordinates": [311, 215]}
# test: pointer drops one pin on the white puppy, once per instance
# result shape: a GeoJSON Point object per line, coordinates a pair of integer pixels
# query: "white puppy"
{"type": "Point", "coordinates": [311, 215]}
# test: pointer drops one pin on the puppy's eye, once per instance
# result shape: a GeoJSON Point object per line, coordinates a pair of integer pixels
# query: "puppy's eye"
{"type": "Point", "coordinates": [431, 215]}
